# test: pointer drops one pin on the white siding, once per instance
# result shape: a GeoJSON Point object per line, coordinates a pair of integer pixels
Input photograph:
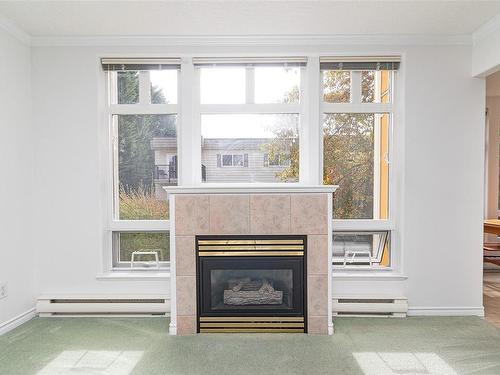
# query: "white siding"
{"type": "Point", "coordinates": [255, 172]}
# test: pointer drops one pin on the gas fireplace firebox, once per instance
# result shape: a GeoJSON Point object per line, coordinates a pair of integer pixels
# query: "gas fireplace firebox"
{"type": "Point", "coordinates": [251, 283]}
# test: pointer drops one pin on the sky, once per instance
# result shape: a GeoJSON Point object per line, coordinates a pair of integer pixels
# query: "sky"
{"type": "Point", "coordinates": [227, 85]}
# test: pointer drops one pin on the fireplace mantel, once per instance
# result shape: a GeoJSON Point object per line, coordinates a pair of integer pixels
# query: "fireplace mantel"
{"type": "Point", "coordinates": [249, 189]}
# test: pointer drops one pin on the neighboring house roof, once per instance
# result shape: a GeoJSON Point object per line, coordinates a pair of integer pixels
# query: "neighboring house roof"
{"type": "Point", "coordinates": [234, 144]}
{"type": "Point", "coordinates": [159, 143]}
{"type": "Point", "coordinates": [228, 144]}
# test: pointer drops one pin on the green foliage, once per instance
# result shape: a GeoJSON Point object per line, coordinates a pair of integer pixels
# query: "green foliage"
{"type": "Point", "coordinates": [130, 242]}
{"type": "Point", "coordinates": [135, 157]}
{"type": "Point", "coordinates": [128, 87]}
{"type": "Point", "coordinates": [348, 162]}
{"type": "Point", "coordinates": [140, 203]}
{"type": "Point", "coordinates": [348, 146]}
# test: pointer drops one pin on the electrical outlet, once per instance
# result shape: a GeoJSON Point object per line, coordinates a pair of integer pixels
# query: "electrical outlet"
{"type": "Point", "coordinates": [3, 290]}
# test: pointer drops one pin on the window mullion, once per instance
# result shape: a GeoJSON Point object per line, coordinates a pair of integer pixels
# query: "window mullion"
{"type": "Point", "coordinates": [356, 108]}
{"type": "Point", "coordinates": [144, 88]}
{"type": "Point", "coordinates": [355, 87]}
{"type": "Point", "coordinates": [189, 129]}
{"type": "Point", "coordinates": [144, 109]}
{"type": "Point", "coordinates": [250, 85]}
{"type": "Point", "coordinates": [311, 170]}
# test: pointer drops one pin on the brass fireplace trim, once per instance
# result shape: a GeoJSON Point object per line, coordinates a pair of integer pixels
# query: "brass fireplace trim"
{"type": "Point", "coordinates": [251, 318]}
{"type": "Point", "coordinates": [251, 247]}
{"type": "Point", "coordinates": [251, 330]}
{"type": "Point", "coordinates": [286, 324]}
{"type": "Point", "coordinates": [249, 253]}
{"type": "Point", "coordinates": [251, 242]}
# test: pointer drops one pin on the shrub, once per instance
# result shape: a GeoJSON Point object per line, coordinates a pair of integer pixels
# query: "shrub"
{"type": "Point", "coordinates": [141, 204]}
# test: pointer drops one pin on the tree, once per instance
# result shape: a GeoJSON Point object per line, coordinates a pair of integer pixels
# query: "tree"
{"type": "Point", "coordinates": [135, 156]}
{"type": "Point", "coordinates": [348, 146]}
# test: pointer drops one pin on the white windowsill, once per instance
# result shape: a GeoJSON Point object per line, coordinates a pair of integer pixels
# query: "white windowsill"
{"type": "Point", "coordinates": [361, 275]}
{"type": "Point", "coordinates": [134, 275]}
{"type": "Point", "coordinates": [245, 188]}
{"type": "Point", "coordinates": [337, 274]}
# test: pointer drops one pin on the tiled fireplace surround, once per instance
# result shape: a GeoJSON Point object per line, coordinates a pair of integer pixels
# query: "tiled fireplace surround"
{"type": "Point", "coordinates": [213, 211]}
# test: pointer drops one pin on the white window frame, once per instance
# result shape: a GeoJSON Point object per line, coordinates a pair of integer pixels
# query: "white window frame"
{"type": "Point", "coordinates": [368, 225]}
{"type": "Point", "coordinates": [114, 224]}
{"type": "Point", "coordinates": [250, 107]}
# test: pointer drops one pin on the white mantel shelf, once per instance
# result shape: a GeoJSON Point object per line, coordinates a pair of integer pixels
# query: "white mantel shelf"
{"type": "Point", "coordinates": [246, 189]}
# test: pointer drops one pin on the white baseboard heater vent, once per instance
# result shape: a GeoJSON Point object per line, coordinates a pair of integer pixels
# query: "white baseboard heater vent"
{"type": "Point", "coordinates": [102, 305]}
{"type": "Point", "coordinates": [370, 307]}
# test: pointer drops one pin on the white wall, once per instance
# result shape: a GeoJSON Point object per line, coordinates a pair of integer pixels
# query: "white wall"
{"type": "Point", "coordinates": [16, 166]}
{"type": "Point", "coordinates": [486, 51]}
{"type": "Point", "coordinates": [440, 151]}
{"type": "Point", "coordinates": [443, 189]}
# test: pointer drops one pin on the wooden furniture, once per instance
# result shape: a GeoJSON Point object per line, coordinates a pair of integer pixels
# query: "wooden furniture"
{"type": "Point", "coordinates": [491, 226]}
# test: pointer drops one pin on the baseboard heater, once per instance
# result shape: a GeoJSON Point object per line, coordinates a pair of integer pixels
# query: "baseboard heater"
{"type": "Point", "coordinates": [370, 306]}
{"type": "Point", "coordinates": [102, 305]}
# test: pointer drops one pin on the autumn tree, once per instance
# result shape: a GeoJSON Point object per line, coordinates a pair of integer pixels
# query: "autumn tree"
{"type": "Point", "coordinates": [348, 147]}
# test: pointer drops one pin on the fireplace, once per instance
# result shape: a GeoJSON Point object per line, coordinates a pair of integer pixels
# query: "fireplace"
{"type": "Point", "coordinates": [251, 283]}
{"type": "Point", "coordinates": [251, 241]}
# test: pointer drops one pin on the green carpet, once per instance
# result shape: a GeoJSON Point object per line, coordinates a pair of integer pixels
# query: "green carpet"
{"type": "Point", "coordinates": [122, 346]}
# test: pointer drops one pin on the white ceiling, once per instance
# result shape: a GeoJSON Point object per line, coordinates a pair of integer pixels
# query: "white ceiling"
{"type": "Point", "coordinates": [157, 18]}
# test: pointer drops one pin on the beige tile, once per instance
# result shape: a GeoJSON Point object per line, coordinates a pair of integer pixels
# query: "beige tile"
{"type": "Point", "coordinates": [229, 214]}
{"type": "Point", "coordinates": [191, 214]}
{"type": "Point", "coordinates": [309, 213]}
{"type": "Point", "coordinates": [186, 295]}
{"type": "Point", "coordinates": [186, 325]}
{"type": "Point", "coordinates": [317, 325]}
{"type": "Point", "coordinates": [269, 214]}
{"type": "Point", "coordinates": [185, 261]}
{"type": "Point", "coordinates": [317, 254]}
{"type": "Point", "coordinates": [317, 295]}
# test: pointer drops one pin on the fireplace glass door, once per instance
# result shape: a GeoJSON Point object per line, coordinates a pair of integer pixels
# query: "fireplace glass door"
{"type": "Point", "coordinates": [265, 286]}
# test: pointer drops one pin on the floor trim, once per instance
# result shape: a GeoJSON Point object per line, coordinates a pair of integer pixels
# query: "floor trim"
{"type": "Point", "coordinates": [446, 311]}
{"type": "Point", "coordinates": [17, 321]}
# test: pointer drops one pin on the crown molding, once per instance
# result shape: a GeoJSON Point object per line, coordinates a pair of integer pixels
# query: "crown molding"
{"type": "Point", "coordinates": [487, 29]}
{"type": "Point", "coordinates": [14, 30]}
{"type": "Point", "coordinates": [251, 40]}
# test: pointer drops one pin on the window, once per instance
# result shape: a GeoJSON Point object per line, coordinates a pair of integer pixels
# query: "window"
{"type": "Point", "coordinates": [253, 120]}
{"type": "Point", "coordinates": [143, 121]}
{"type": "Point", "coordinates": [232, 160]}
{"type": "Point", "coordinates": [361, 249]}
{"type": "Point", "coordinates": [142, 142]}
{"type": "Point", "coordinates": [355, 157]}
{"type": "Point", "coordinates": [249, 114]}
{"type": "Point", "coordinates": [143, 246]}
{"type": "Point", "coordinates": [357, 127]}
{"type": "Point", "coordinates": [276, 160]}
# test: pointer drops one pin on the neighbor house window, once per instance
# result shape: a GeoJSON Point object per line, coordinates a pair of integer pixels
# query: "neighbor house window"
{"type": "Point", "coordinates": [234, 160]}
{"type": "Point", "coordinates": [143, 126]}
{"type": "Point", "coordinates": [357, 116]}
{"type": "Point", "coordinates": [277, 160]}
{"type": "Point", "coordinates": [250, 108]}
